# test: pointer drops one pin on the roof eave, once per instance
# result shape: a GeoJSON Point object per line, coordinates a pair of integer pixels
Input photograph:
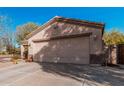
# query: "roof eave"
{"type": "Point", "coordinates": [68, 20]}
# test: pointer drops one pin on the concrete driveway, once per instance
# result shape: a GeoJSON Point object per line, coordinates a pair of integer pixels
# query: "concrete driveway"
{"type": "Point", "coordinates": [31, 74]}
{"type": "Point", "coordinates": [36, 74]}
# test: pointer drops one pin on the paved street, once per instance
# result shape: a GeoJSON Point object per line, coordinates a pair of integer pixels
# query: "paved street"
{"type": "Point", "coordinates": [58, 74]}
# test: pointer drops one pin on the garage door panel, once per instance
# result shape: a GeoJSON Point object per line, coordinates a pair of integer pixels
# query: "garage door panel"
{"type": "Point", "coordinates": [71, 50]}
{"type": "Point", "coordinates": [74, 47]}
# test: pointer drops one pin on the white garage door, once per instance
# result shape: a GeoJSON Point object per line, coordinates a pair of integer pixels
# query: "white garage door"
{"type": "Point", "coordinates": [69, 50]}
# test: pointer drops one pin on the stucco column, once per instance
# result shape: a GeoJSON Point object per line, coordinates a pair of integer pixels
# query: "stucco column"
{"type": "Point", "coordinates": [22, 50]}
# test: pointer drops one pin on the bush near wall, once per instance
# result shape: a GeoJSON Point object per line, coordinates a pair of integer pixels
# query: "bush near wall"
{"type": "Point", "coordinates": [113, 37]}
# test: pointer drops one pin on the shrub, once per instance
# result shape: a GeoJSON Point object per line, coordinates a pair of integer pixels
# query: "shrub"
{"type": "Point", "coordinates": [15, 58]}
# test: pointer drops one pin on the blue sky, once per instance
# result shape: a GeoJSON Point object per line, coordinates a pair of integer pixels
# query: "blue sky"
{"type": "Point", "coordinates": [112, 17]}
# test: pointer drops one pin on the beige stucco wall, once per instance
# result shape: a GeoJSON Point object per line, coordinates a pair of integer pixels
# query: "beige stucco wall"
{"type": "Point", "coordinates": [71, 50]}
{"type": "Point", "coordinates": [67, 29]}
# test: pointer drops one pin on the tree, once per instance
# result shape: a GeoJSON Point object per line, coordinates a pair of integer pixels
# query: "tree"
{"type": "Point", "coordinates": [23, 30]}
{"type": "Point", "coordinates": [113, 37]}
{"type": "Point", "coordinates": [5, 24]}
{"type": "Point", "coordinates": [6, 35]}
{"type": "Point", "coordinates": [9, 42]}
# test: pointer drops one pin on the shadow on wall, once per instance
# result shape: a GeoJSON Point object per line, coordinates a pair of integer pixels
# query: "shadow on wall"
{"type": "Point", "coordinates": [98, 74]}
{"type": "Point", "coordinates": [65, 50]}
{"type": "Point", "coordinates": [53, 51]}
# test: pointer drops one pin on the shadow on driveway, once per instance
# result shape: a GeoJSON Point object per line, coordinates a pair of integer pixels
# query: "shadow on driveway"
{"type": "Point", "coordinates": [98, 74]}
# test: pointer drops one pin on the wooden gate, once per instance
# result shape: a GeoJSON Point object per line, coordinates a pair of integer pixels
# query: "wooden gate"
{"type": "Point", "coordinates": [121, 54]}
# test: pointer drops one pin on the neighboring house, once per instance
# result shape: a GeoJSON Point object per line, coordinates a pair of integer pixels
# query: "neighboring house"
{"type": "Point", "coordinates": [65, 40]}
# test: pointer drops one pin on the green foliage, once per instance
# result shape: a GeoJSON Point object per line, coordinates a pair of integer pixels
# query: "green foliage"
{"type": "Point", "coordinates": [15, 57]}
{"type": "Point", "coordinates": [23, 30]}
{"type": "Point", "coordinates": [3, 53]}
{"type": "Point", "coordinates": [113, 37]}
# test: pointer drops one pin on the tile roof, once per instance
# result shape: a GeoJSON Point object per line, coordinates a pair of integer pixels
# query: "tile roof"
{"type": "Point", "coordinates": [67, 20]}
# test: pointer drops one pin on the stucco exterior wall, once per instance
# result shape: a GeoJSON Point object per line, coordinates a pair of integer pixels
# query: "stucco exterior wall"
{"type": "Point", "coordinates": [22, 50]}
{"type": "Point", "coordinates": [61, 29]}
{"type": "Point", "coordinates": [66, 50]}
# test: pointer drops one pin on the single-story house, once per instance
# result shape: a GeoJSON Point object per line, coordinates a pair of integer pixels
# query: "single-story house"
{"type": "Point", "coordinates": [65, 40]}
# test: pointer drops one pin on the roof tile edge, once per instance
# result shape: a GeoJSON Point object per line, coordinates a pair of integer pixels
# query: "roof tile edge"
{"type": "Point", "coordinates": [63, 19]}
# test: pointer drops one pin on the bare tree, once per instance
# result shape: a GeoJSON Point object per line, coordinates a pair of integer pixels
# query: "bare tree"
{"type": "Point", "coordinates": [6, 34]}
